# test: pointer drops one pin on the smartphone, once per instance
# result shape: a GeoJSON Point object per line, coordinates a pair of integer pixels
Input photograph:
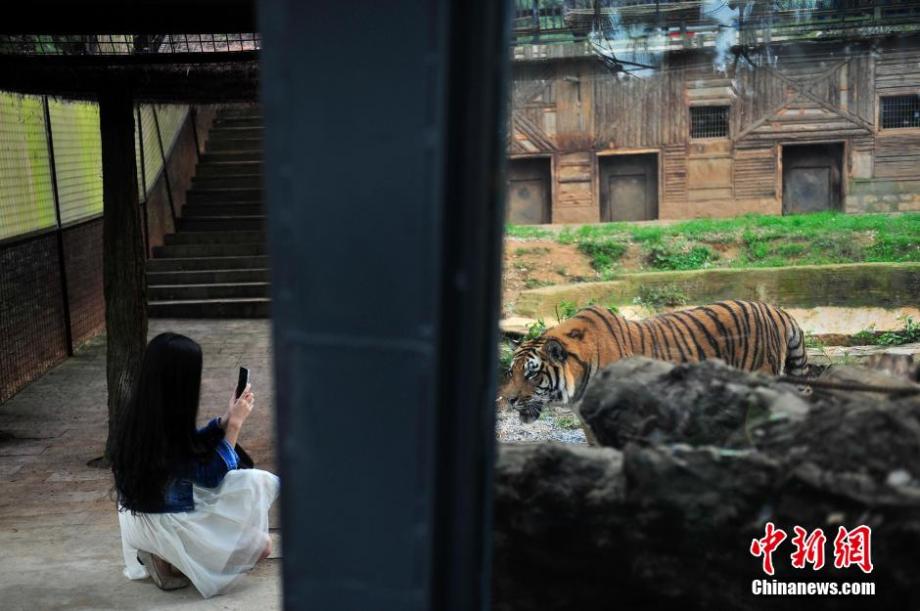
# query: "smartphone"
{"type": "Point", "coordinates": [242, 382]}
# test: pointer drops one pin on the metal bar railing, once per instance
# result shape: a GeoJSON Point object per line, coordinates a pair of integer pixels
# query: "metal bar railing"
{"type": "Point", "coordinates": [169, 194]}
{"type": "Point", "coordinates": [143, 170]}
{"type": "Point", "coordinates": [534, 20]}
{"type": "Point", "coordinates": [59, 229]}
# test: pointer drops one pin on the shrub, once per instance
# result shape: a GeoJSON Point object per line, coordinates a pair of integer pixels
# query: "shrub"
{"type": "Point", "coordinates": [894, 248]}
{"type": "Point", "coordinates": [604, 253]}
{"type": "Point", "coordinates": [838, 248]}
{"type": "Point", "coordinates": [565, 309]}
{"type": "Point", "coordinates": [505, 354]}
{"type": "Point", "coordinates": [908, 335]}
{"type": "Point", "coordinates": [662, 256]}
{"type": "Point", "coordinates": [793, 249]}
{"type": "Point", "coordinates": [536, 329]}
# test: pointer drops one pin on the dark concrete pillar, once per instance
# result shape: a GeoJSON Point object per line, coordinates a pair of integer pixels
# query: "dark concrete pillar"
{"type": "Point", "coordinates": [385, 207]}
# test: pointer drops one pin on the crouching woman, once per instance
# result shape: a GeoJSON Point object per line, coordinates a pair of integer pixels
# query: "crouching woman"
{"type": "Point", "coordinates": [187, 511]}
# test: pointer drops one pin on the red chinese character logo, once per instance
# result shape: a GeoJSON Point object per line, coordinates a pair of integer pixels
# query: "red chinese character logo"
{"type": "Point", "coordinates": [853, 547]}
{"type": "Point", "coordinates": [765, 547]}
{"type": "Point", "coordinates": [808, 549]}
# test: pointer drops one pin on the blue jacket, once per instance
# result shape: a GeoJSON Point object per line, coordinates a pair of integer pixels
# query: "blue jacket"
{"type": "Point", "coordinates": [208, 474]}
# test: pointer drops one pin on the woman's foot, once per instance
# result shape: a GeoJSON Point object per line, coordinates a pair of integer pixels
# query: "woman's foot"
{"type": "Point", "coordinates": [267, 551]}
{"type": "Point", "coordinates": [163, 574]}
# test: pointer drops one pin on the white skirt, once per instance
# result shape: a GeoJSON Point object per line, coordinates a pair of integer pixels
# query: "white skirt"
{"type": "Point", "coordinates": [214, 544]}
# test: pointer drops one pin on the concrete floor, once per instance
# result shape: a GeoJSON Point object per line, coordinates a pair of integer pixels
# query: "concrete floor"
{"type": "Point", "coordinates": [59, 539]}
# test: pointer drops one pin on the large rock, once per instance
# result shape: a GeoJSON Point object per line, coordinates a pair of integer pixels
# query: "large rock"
{"type": "Point", "coordinates": [641, 399]}
{"type": "Point", "coordinates": [711, 454]}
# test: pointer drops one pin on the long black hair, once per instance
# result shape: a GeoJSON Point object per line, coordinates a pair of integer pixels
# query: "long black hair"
{"type": "Point", "coordinates": [155, 436]}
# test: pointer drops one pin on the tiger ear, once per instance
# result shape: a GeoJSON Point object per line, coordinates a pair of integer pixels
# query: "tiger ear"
{"type": "Point", "coordinates": [556, 351]}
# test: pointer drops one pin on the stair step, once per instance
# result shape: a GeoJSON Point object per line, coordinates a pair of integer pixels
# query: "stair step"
{"type": "Point", "coordinates": [210, 210]}
{"type": "Point", "coordinates": [257, 307]}
{"type": "Point", "coordinates": [207, 276]}
{"type": "Point", "coordinates": [186, 251]}
{"type": "Point", "coordinates": [215, 237]}
{"type": "Point", "coordinates": [225, 156]}
{"type": "Point", "coordinates": [216, 169]}
{"type": "Point", "coordinates": [240, 112]}
{"type": "Point", "coordinates": [238, 122]}
{"type": "Point", "coordinates": [222, 223]}
{"type": "Point", "coordinates": [188, 292]}
{"type": "Point", "coordinates": [207, 263]}
{"type": "Point", "coordinates": [227, 182]}
{"type": "Point", "coordinates": [223, 144]}
{"type": "Point", "coordinates": [224, 195]}
{"type": "Point", "coordinates": [235, 131]}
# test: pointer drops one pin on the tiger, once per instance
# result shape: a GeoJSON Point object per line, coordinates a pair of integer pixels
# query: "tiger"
{"type": "Point", "coordinates": [557, 366]}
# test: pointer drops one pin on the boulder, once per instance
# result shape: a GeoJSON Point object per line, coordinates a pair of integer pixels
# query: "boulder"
{"type": "Point", "coordinates": [698, 459]}
{"type": "Point", "coordinates": [641, 399]}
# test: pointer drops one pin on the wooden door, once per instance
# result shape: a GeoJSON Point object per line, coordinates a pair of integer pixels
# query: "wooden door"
{"type": "Point", "coordinates": [812, 178]}
{"type": "Point", "coordinates": [528, 191]}
{"type": "Point", "coordinates": [629, 187]}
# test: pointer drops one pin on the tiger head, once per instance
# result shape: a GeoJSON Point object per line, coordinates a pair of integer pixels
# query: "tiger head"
{"type": "Point", "coordinates": [553, 367]}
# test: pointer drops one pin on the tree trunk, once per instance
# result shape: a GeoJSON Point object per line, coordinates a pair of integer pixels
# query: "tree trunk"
{"type": "Point", "coordinates": [123, 252]}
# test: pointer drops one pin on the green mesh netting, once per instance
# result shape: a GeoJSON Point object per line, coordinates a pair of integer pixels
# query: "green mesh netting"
{"type": "Point", "coordinates": [26, 196]}
{"type": "Point", "coordinates": [77, 158]}
{"type": "Point", "coordinates": [26, 201]}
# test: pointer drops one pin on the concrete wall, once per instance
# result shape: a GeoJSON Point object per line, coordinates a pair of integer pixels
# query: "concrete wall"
{"type": "Point", "coordinates": [853, 285]}
{"type": "Point", "coordinates": [884, 196]}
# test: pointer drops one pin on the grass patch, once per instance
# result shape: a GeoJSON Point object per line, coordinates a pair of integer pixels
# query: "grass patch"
{"type": "Point", "coordinates": [527, 231]}
{"type": "Point", "coordinates": [675, 257]}
{"type": "Point", "coordinates": [748, 241]}
{"type": "Point", "coordinates": [534, 283]}
{"type": "Point", "coordinates": [536, 329]}
{"type": "Point", "coordinates": [568, 421]}
{"type": "Point", "coordinates": [909, 334]}
{"type": "Point", "coordinates": [505, 354]}
{"type": "Point", "coordinates": [813, 342]}
{"type": "Point", "coordinates": [565, 310]}
{"type": "Point", "coordinates": [895, 248]}
{"type": "Point", "coordinates": [536, 250]}
{"type": "Point", "coordinates": [604, 254]}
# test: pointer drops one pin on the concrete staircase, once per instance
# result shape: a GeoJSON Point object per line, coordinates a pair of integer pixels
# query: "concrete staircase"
{"type": "Point", "coordinates": [216, 264]}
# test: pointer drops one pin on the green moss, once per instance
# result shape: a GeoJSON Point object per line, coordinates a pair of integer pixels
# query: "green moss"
{"type": "Point", "coordinates": [850, 285]}
{"type": "Point", "coordinates": [658, 297]}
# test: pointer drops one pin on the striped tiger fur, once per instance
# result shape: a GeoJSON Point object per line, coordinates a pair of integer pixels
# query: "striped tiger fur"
{"type": "Point", "coordinates": [558, 365]}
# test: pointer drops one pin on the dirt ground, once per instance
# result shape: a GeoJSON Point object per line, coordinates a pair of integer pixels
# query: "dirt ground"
{"type": "Point", "coordinates": [530, 264]}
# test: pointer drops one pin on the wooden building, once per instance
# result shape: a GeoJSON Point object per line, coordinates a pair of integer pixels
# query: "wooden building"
{"type": "Point", "coordinates": [816, 126]}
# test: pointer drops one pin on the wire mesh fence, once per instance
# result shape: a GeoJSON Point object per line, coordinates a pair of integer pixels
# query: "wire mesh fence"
{"type": "Point", "coordinates": [77, 158]}
{"type": "Point", "coordinates": [26, 200]}
{"type": "Point", "coordinates": [709, 121]}
{"type": "Point", "coordinates": [39, 255]}
{"type": "Point", "coordinates": [26, 195]}
{"type": "Point", "coordinates": [128, 44]}
{"type": "Point", "coordinates": [899, 111]}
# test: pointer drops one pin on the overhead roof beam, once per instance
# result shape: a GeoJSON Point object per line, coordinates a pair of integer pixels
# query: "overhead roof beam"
{"type": "Point", "coordinates": [171, 78]}
{"type": "Point", "coordinates": [130, 17]}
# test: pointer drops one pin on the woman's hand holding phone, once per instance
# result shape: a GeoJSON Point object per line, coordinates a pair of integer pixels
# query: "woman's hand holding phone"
{"type": "Point", "coordinates": [237, 412]}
